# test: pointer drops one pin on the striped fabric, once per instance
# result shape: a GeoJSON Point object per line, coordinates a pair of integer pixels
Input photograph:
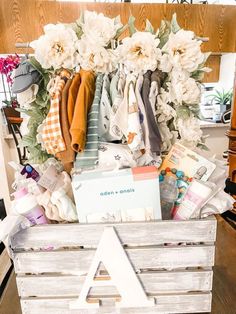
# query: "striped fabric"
{"type": "Point", "coordinates": [51, 133]}
{"type": "Point", "coordinates": [89, 157]}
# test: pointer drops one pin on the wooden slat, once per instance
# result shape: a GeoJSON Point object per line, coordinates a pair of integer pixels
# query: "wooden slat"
{"type": "Point", "coordinates": [188, 303]}
{"type": "Point", "coordinates": [5, 264]}
{"type": "Point", "coordinates": [70, 262]}
{"type": "Point", "coordinates": [134, 234]}
{"type": "Point", "coordinates": [153, 283]}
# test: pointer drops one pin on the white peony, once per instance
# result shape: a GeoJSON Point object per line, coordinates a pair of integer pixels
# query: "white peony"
{"type": "Point", "coordinates": [182, 50]}
{"type": "Point", "coordinates": [139, 53]}
{"type": "Point", "coordinates": [164, 111]}
{"type": "Point", "coordinates": [57, 47]}
{"type": "Point", "coordinates": [190, 131]}
{"type": "Point", "coordinates": [184, 89]}
{"type": "Point", "coordinates": [95, 57]}
{"type": "Point", "coordinates": [99, 29]}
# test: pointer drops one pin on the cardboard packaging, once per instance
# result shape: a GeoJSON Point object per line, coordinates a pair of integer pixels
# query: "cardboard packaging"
{"type": "Point", "coordinates": [126, 195]}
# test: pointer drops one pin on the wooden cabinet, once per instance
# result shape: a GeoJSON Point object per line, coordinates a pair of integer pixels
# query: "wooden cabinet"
{"type": "Point", "coordinates": [23, 21]}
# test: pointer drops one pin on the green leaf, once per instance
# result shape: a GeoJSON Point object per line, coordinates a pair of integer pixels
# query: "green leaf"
{"type": "Point", "coordinates": [183, 112]}
{"type": "Point", "coordinates": [174, 24]}
{"type": "Point", "coordinates": [164, 32]}
{"type": "Point", "coordinates": [203, 146]}
{"type": "Point", "coordinates": [121, 31]}
{"type": "Point", "coordinates": [198, 75]}
{"type": "Point", "coordinates": [131, 26]}
{"type": "Point", "coordinates": [149, 28]}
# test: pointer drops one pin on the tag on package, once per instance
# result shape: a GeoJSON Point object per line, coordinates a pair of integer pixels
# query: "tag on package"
{"type": "Point", "coordinates": [192, 164]}
{"type": "Point", "coordinates": [49, 179]}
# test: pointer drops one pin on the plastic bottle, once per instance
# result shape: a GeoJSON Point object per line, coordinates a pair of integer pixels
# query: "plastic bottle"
{"type": "Point", "coordinates": [26, 205]}
{"type": "Point", "coordinates": [168, 195]}
{"type": "Point", "coordinates": [197, 193]}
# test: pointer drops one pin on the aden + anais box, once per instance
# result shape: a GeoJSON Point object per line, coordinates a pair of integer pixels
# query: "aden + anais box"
{"type": "Point", "coordinates": [125, 195]}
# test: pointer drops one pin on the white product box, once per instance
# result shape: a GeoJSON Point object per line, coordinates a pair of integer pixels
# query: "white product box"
{"type": "Point", "coordinates": [126, 195]}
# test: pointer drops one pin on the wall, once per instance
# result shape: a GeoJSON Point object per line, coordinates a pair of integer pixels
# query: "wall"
{"type": "Point", "coordinates": [227, 70]}
{"type": "Point", "coordinates": [23, 20]}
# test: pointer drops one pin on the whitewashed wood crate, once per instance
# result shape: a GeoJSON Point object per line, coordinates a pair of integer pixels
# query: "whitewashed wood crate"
{"type": "Point", "coordinates": [51, 263]}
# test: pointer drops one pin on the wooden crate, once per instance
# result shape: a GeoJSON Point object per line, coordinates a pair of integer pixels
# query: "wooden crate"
{"type": "Point", "coordinates": [172, 259]}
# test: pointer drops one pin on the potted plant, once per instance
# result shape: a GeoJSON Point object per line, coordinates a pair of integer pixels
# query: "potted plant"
{"type": "Point", "coordinates": [7, 65]}
{"type": "Point", "coordinates": [221, 101]}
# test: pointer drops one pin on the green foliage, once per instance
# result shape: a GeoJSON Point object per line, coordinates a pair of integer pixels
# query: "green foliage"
{"type": "Point", "coordinates": [131, 25]}
{"type": "Point", "coordinates": [37, 112]}
{"type": "Point", "coordinates": [222, 98]}
{"type": "Point", "coordinates": [164, 32]}
{"type": "Point", "coordinates": [149, 28]}
{"type": "Point", "coordinates": [174, 24]}
{"type": "Point", "coordinates": [183, 112]}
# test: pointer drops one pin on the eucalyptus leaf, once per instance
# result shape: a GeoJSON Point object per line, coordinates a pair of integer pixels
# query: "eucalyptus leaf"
{"type": "Point", "coordinates": [164, 32]}
{"type": "Point", "coordinates": [131, 25]}
{"type": "Point", "coordinates": [174, 24]}
{"type": "Point", "coordinates": [183, 112]}
{"type": "Point", "coordinates": [121, 31]}
{"type": "Point", "coordinates": [149, 28]}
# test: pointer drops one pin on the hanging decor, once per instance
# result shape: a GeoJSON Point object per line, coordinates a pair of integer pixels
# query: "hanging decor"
{"type": "Point", "coordinates": [170, 53]}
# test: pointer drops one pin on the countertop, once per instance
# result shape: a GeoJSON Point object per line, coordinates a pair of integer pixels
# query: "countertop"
{"type": "Point", "coordinates": [208, 124]}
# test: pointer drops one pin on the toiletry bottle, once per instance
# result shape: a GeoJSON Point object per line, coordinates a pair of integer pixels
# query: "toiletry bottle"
{"type": "Point", "coordinates": [25, 204]}
{"type": "Point", "coordinates": [168, 195]}
{"type": "Point", "coordinates": [196, 195]}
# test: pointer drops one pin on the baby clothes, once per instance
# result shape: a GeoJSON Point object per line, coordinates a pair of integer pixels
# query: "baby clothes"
{"type": "Point", "coordinates": [115, 130]}
{"type": "Point", "coordinates": [89, 157]}
{"type": "Point", "coordinates": [51, 133]}
{"type": "Point", "coordinates": [156, 78]}
{"type": "Point", "coordinates": [154, 134]}
{"type": "Point", "coordinates": [72, 94]}
{"type": "Point", "coordinates": [105, 111]}
{"type": "Point", "coordinates": [115, 156]}
{"type": "Point", "coordinates": [114, 87]}
{"type": "Point", "coordinates": [83, 103]}
{"type": "Point", "coordinates": [67, 156]}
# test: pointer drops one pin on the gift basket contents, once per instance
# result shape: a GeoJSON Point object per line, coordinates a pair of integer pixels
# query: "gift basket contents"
{"type": "Point", "coordinates": [113, 136]}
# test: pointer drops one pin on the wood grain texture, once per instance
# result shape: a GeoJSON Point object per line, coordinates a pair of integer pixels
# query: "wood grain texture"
{"type": "Point", "coordinates": [224, 287]}
{"type": "Point", "coordinates": [79, 261]}
{"type": "Point", "coordinates": [153, 283]}
{"type": "Point", "coordinates": [131, 234]}
{"type": "Point", "coordinates": [232, 137]}
{"type": "Point", "coordinates": [213, 62]}
{"type": "Point", "coordinates": [23, 21]}
{"type": "Point", "coordinates": [189, 303]}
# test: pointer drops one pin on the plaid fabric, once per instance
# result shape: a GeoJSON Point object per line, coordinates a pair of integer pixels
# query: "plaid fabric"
{"type": "Point", "coordinates": [51, 134]}
{"type": "Point", "coordinates": [89, 157]}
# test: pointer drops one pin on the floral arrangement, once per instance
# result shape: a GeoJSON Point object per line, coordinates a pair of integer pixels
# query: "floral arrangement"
{"type": "Point", "coordinates": [92, 43]}
{"type": "Point", "coordinates": [7, 66]}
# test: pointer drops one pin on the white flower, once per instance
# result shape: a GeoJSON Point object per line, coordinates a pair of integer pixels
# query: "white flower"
{"type": "Point", "coordinates": [184, 89]}
{"type": "Point", "coordinates": [95, 57]}
{"type": "Point", "coordinates": [182, 50]}
{"type": "Point", "coordinates": [99, 29]}
{"type": "Point", "coordinates": [190, 131]}
{"type": "Point", "coordinates": [164, 111]}
{"type": "Point", "coordinates": [57, 47]}
{"type": "Point", "coordinates": [139, 53]}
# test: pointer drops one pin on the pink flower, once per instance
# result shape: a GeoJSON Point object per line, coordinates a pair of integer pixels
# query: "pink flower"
{"type": "Point", "coordinates": [7, 65]}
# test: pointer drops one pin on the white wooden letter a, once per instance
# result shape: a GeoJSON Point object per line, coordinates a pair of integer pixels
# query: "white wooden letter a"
{"type": "Point", "coordinates": [110, 252]}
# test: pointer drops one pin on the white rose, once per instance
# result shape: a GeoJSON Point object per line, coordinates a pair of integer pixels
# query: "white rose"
{"type": "Point", "coordinates": [57, 47]}
{"type": "Point", "coordinates": [183, 50]}
{"type": "Point", "coordinates": [184, 89]}
{"type": "Point", "coordinates": [96, 57]}
{"type": "Point", "coordinates": [139, 53]}
{"type": "Point", "coordinates": [99, 29]}
{"type": "Point", "coordinates": [190, 131]}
